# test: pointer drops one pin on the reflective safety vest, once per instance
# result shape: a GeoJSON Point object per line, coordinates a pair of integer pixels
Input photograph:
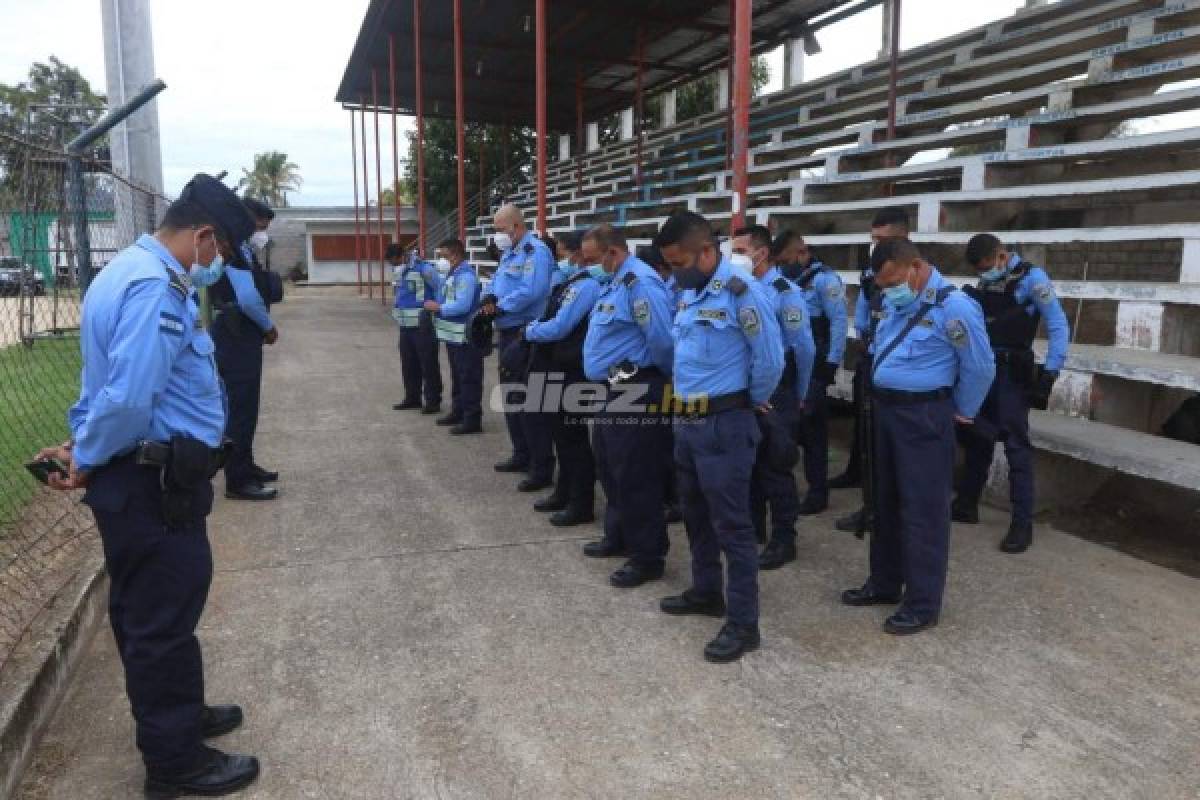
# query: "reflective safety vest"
{"type": "Point", "coordinates": [447, 331]}
{"type": "Point", "coordinates": [410, 296]}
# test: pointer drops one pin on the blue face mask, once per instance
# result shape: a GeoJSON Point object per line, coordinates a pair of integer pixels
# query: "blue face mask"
{"type": "Point", "coordinates": [994, 274]}
{"type": "Point", "coordinates": [206, 276]}
{"type": "Point", "coordinates": [568, 268]}
{"type": "Point", "coordinates": [899, 296]}
{"type": "Point", "coordinates": [597, 272]}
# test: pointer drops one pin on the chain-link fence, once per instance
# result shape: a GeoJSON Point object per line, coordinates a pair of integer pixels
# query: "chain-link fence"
{"type": "Point", "coordinates": [45, 535]}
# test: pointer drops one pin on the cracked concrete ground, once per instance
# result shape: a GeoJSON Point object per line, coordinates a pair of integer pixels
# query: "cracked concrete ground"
{"type": "Point", "coordinates": [400, 624]}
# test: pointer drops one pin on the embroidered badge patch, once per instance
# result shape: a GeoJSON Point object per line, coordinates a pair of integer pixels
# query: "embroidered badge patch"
{"type": "Point", "coordinates": [717, 285]}
{"type": "Point", "coordinates": [569, 296]}
{"type": "Point", "coordinates": [1043, 292]}
{"type": "Point", "coordinates": [793, 318]}
{"type": "Point", "coordinates": [711, 313]}
{"type": "Point", "coordinates": [835, 292]}
{"type": "Point", "coordinates": [641, 311]}
{"type": "Point", "coordinates": [748, 319]}
{"type": "Point", "coordinates": [957, 332]}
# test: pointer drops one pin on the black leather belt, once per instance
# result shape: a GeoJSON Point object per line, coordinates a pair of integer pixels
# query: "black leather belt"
{"type": "Point", "coordinates": [900, 397]}
{"type": "Point", "coordinates": [707, 406]}
{"type": "Point", "coordinates": [158, 455]}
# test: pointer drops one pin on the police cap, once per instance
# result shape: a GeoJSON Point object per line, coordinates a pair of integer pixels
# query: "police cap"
{"type": "Point", "coordinates": [228, 212]}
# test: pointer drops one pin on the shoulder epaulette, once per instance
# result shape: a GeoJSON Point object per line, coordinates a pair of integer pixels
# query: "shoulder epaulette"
{"type": "Point", "coordinates": [178, 282]}
{"type": "Point", "coordinates": [737, 286]}
{"type": "Point", "coordinates": [529, 248]}
{"type": "Point", "coordinates": [781, 285]}
{"type": "Point", "coordinates": [630, 279]}
{"type": "Point", "coordinates": [945, 292]}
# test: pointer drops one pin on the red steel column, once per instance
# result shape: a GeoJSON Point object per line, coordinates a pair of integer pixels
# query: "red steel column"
{"type": "Point", "coordinates": [639, 103]}
{"type": "Point", "coordinates": [378, 182]}
{"type": "Point", "coordinates": [580, 141]}
{"type": "Point", "coordinates": [362, 127]}
{"type": "Point", "coordinates": [458, 113]}
{"type": "Point", "coordinates": [482, 165]}
{"type": "Point", "coordinates": [731, 72]}
{"type": "Point", "coordinates": [420, 128]}
{"type": "Point", "coordinates": [395, 133]}
{"type": "Point", "coordinates": [893, 70]}
{"type": "Point", "coordinates": [741, 110]}
{"type": "Point", "coordinates": [540, 44]}
{"type": "Point", "coordinates": [357, 231]}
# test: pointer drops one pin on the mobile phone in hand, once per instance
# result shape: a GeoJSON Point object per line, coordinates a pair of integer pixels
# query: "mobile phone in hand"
{"type": "Point", "coordinates": [43, 469]}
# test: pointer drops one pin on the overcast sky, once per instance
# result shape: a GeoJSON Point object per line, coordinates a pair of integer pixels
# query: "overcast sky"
{"type": "Point", "coordinates": [245, 76]}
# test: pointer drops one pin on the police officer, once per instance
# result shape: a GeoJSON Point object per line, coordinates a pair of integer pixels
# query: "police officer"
{"type": "Point", "coordinates": [242, 323]}
{"type": "Point", "coordinates": [416, 281]}
{"type": "Point", "coordinates": [751, 248]}
{"type": "Point", "coordinates": [457, 302]}
{"type": "Point", "coordinates": [145, 437]}
{"type": "Point", "coordinates": [1016, 296]}
{"type": "Point", "coordinates": [889, 223]}
{"type": "Point", "coordinates": [827, 312]}
{"type": "Point", "coordinates": [628, 346]}
{"type": "Point", "coordinates": [558, 353]}
{"type": "Point", "coordinates": [518, 296]}
{"type": "Point", "coordinates": [728, 361]}
{"type": "Point", "coordinates": [932, 366]}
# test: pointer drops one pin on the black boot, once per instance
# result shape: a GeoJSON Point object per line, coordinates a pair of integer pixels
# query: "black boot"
{"type": "Point", "coordinates": [964, 511]}
{"type": "Point", "coordinates": [466, 427]}
{"type": "Point", "coordinates": [1020, 536]}
{"type": "Point", "coordinates": [448, 420]}
{"type": "Point", "coordinates": [551, 502]}
{"type": "Point", "coordinates": [407, 405]}
{"type": "Point", "coordinates": [847, 480]}
{"type": "Point", "coordinates": [777, 553]}
{"type": "Point", "coordinates": [218, 774]}
{"type": "Point", "coordinates": [851, 523]}
{"type": "Point", "coordinates": [219, 720]}
{"type": "Point", "coordinates": [263, 475]}
{"type": "Point", "coordinates": [731, 643]}
{"type": "Point", "coordinates": [572, 516]}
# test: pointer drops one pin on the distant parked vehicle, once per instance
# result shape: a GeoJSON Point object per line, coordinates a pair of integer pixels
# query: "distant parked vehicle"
{"type": "Point", "coordinates": [18, 279]}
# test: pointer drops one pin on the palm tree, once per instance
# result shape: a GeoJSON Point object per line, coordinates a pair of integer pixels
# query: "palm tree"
{"type": "Point", "coordinates": [271, 179]}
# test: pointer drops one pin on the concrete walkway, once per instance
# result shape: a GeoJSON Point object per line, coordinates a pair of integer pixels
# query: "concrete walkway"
{"type": "Point", "coordinates": [400, 624]}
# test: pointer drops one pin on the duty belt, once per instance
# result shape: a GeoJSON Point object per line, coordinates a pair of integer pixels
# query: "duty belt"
{"type": "Point", "coordinates": [158, 455]}
{"type": "Point", "coordinates": [900, 397]}
{"type": "Point", "coordinates": [707, 406]}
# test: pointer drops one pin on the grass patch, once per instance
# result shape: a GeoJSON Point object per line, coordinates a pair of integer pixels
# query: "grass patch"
{"type": "Point", "coordinates": [37, 386]}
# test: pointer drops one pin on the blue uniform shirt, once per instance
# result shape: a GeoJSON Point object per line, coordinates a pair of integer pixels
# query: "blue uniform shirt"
{"type": "Point", "coordinates": [249, 301]}
{"type": "Point", "coordinates": [826, 297]}
{"type": "Point", "coordinates": [522, 282]}
{"type": "Point", "coordinates": [577, 302]}
{"type": "Point", "coordinates": [562, 273]}
{"type": "Point", "coordinates": [948, 348]}
{"type": "Point", "coordinates": [1036, 288]}
{"type": "Point", "coordinates": [727, 339]}
{"type": "Point", "coordinates": [790, 306]}
{"type": "Point", "coordinates": [148, 368]}
{"type": "Point", "coordinates": [676, 292]}
{"type": "Point", "coordinates": [630, 321]}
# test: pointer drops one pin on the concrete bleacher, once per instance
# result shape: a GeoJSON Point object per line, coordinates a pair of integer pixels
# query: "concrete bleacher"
{"type": "Point", "coordinates": [1031, 127]}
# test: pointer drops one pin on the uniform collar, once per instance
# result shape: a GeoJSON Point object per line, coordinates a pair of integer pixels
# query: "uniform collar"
{"type": "Point", "coordinates": [720, 278]}
{"type": "Point", "coordinates": [929, 293]}
{"type": "Point", "coordinates": [625, 268]}
{"type": "Point", "coordinates": [150, 244]}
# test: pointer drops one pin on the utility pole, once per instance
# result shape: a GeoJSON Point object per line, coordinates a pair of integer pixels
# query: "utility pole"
{"type": "Point", "coordinates": [136, 151]}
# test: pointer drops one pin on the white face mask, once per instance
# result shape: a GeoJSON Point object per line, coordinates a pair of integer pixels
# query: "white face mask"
{"type": "Point", "coordinates": [503, 241]}
{"type": "Point", "coordinates": [259, 240]}
{"type": "Point", "coordinates": [443, 265]}
{"type": "Point", "coordinates": [741, 261]}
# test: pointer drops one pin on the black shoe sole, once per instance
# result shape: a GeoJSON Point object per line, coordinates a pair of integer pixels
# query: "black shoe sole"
{"type": "Point", "coordinates": [907, 631]}
{"type": "Point", "coordinates": [1013, 551]}
{"type": "Point", "coordinates": [535, 487]}
{"type": "Point", "coordinates": [263, 499]}
{"type": "Point", "coordinates": [694, 611]}
{"type": "Point", "coordinates": [767, 566]}
{"type": "Point", "coordinates": [723, 659]}
{"type": "Point", "coordinates": [573, 521]}
{"type": "Point", "coordinates": [877, 600]}
{"type": "Point", "coordinates": [465, 432]}
{"type": "Point", "coordinates": [155, 790]}
{"type": "Point", "coordinates": [607, 554]}
{"type": "Point", "coordinates": [550, 508]}
{"type": "Point", "coordinates": [964, 520]}
{"type": "Point", "coordinates": [642, 581]}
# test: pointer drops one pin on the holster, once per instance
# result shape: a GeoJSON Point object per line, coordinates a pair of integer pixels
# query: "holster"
{"type": "Point", "coordinates": [190, 464]}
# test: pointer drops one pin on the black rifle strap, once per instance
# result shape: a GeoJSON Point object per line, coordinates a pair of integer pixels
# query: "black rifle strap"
{"type": "Point", "coordinates": [913, 322]}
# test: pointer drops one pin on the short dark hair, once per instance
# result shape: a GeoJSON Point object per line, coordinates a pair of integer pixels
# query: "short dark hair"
{"type": "Point", "coordinates": [394, 250]}
{"type": "Point", "coordinates": [893, 250]}
{"type": "Point", "coordinates": [651, 256]}
{"type": "Point", "coordinates": [681, 227]}
{"type": "Point", "coordinates": [453, 245]}
{"type": "Point", "coordinates": [981, 246]}
{"type": "Point", "coordinates": [892, 215]}
{"type": "Point", "coordinates": [759, 235]}
{"type": "Point", "coordinates": [606, 236]}
{"type": "Point", "coordinates": [257, 209]}
{"type": "Point", "coordinates": [785, 238]}
{"type": "Point", "coordinates": [572, 240]}
{"type": "Point", "coordinates": [190, 214]}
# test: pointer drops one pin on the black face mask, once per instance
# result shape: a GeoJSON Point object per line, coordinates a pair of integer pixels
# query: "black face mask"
{"type": "Point", "coordinates": [690, 277]}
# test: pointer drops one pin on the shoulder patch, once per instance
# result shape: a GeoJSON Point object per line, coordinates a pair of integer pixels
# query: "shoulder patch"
{"type": "Point", "coordinates": [630, 279]}
{"type": "Point", "coordinates": [737, 286]}
{"type": "Point", "coordinates": [1043, 292]}
{"type": "Point", "coordinates": [793, 318]}
{"type": "Point", "coordinates": [957, 331]}
{"type": "Point", "coordinates": [641, 311]}
{"type": "Point", "coordinates": [781, 285]}
{"type": "Point", "coordinates": [748, 319]}
{"type": "Point", "coordinates": [570, 295]}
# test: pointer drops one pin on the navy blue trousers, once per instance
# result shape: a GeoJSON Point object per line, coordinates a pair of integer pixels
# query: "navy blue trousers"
{"type": "Point", "coordinates": [576, 461]}
{"type": "Point", "coordinates": [419, 363]}
{"type": "Point", "coordinates": [914, 471]}
{"type": "Point", "coordinates": [814, 438]}
{"type": "Point", "coordinates": [632, 452]}
{"type": "Point", "coordinates": [159, 579]}
{"type": "Point", "coordinates": [514, 420]}
{"type": "Point", "coordinates": [714, 460]}
{"type": "Point", "coordinates": [1005, 411]}
{"type": "Point", "coordinates": [466, 382]}
{"type": "Point", "coordinates": [239, 356]}
{"type": "Point", "coordinates": [539, 425]}
{"type": "Point", "coordinates": [774, 487]}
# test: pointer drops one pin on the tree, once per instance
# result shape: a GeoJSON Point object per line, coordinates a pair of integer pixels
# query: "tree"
{"type": "Point", "coordinates": [272, 177]}
{"type": "Point", "coordinates": [504, 148]}
{"type": "Point", "coordinates": [390, 194]}
{"type": "Point", "coordinates": [700, 96]}
{"type": "Point", "coordinates": [48, 109]}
